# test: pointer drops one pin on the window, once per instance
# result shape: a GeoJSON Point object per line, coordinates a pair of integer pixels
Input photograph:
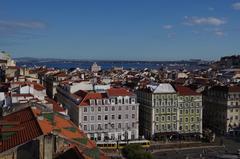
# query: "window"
{"type": "Point", "coordinates": [99, 117]}
{"type": "Point", "coordinates": [85, 118]}
{"type": "Point", "coordinates": [92, 117]}
{"type": "Point", "coordinates": [113, 117]}
{"type": "Point", "coordinates": [92, 127]}
{"type": "Point", "coordinates": [186, 127]}
{"type": "Point", "coordinates": [113, 108]}
{"type": "Point", "coordinates": [85, 127]}
{"type": "Point", "coordinates": [156, 110]}
{"type": "Point", "coordinates": [236, 117]}
{"type": "Point", "coordinates": [180, 119]}
{"type": "Point", "coordinates": [157, 118]}
{"type": "Point", "coordinates": [186, 111]}
{"type": "Point", "coordinates": [231, 109]}
{"type": "Point", "coordinates": [133, 116]}
{"type": "Point", "coordinates": [169, 110]}
{"type": "Point", "coordinates": [169, 126]}
{"type": "Point", "coordinates": [192, 126]}
{"type": "Point", "coordinates": [85, 109]}
{"type": "Point", "coordinates": [133, 100]}
{"type": "Point", "coordinates": [126, 116]}
{"type": "Point", "coordinates": [192, 119]}
{"type": "Point", "coordinates": [168, 118]}
{"type": "Point", "coordinates": [133, 107]}
{"type": "Point", "coordinates": [106, 117]}
{"type": "Point", "coordinates": [99, 102]}
{"type": "Point", "coordinates": [106, 101]}
{"type": "Point", "coordinates": [163, 110]}
{"type": "Point", "coordinates": [126, 125]}
{"type": "Point", "coordinates": [119, 116]}
{"type": "Point", "coordinates": [92, 102]}
{"type": "Point", "coordinates": [174, 110]}
{"type": "Point", "coordinates": [106, 108]}
{"type": "Point", "coordinates": [198, 111]}
{"type": "Point", "coordinates": [99, 109]}
{"type": "Point", "coordinates": [163, 127]}
{"type": "Point", "coordinates": [92, 109]}
{"type": "Point", "coordinates": [163, 118]}
{"type": "Point", "coordinates": [119, 125]}
{"type": "Point", "coordinates": [120, 101]}
{"type": "Point", "coordinates": [192, 111]}
{"type": "Point", "coordinates": [99, 127]}
{"type": "Point", "coordinates": [133, 125]}
{"type": "Point", "coordinates": [181, 111]}
{"type": "Point", "coordinates": [113, 101]}
{"type": "Point", "coordinates": [180, 127]}
{"type": "Point", "coordinates": [186, 119]}
{"type": "Point", "coordinates": [174, 118]}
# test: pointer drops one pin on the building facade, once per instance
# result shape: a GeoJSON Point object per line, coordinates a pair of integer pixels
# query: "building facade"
{"type": "Point", "coordinates": [167, 111]}
{"type": "Point", "coordinates": [189, 111]}
{"type": "Point", "coordinates": [158, 110]}
{"type": "Point", "coordinates": [222, 109]}
{"type": "Point", "coordinates": [105, 115]}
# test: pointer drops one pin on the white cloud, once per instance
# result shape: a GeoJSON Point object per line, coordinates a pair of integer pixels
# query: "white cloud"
{"type": "Point", "coordinates": [167, 27]}
{"type": "Point", "coordinates": [236, 6]}
{"type": "Point", "coordinates": [204, 21]}
{"type": "Point", "coordinates": [219, 33]}
{"type": "Point", "coordinates": [211, 9]}
{"type": "Point", "coordinates": [22, 24]}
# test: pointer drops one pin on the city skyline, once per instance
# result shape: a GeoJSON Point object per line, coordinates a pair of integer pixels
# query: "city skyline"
{"type": "Point", "coordinates": [107, 30]}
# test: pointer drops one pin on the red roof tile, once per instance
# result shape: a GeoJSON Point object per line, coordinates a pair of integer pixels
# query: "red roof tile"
{"type": "Point", "coordinates": [56, 106]}
{"type": "Point", "coordinates": [234, 89]}
{"type": "Point", "coordinates": [119, 92]}
{"type": "Point", "coordinates": [185, 91]}
{"type": "Point", "coordinates": [86, 96]}
{"type": "Point", "coordinates": [26, 130]}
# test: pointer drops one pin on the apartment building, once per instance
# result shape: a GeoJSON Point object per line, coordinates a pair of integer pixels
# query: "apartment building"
{"type": "Point", "coordinates": [167, 111]}
{"type": "Point", "coordinates": [222, 109]}
{"type": "Point", "coordinates": [189, 118]}
{"type": "Point", "coordinates": [107, 115]}
{"type": "Point", "coordinates": [158, 110]}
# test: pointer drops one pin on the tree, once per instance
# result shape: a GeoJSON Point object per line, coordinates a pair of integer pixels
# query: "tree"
{"type": "Point", "coordinates": [135, 151]}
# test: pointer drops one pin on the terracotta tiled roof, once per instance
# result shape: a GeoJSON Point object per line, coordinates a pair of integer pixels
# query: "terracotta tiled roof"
{"type": "Point", "coordinates": [86, 96]}
{"type": "Point", "coordinates": [22, 95]}
{"type": "Point", "coordinates": [56, 106]}
{"type": "Point", "coordinates": [35, 85]}
{"type": "Point", "coordinates": [119, 92]}
{"type": "Point", "coordinates": [234, 89]}
{"type": "Point", "coordinates": [38, 87]}
{"type": "Point", "coordinates": [185, 91]}
{"type": "Point", "coordinates": [54, 122]}
{"type": "Point", "coordinates": [24, 131]}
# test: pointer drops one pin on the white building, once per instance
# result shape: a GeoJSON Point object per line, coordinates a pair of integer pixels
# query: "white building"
{"type": "Point", "coordinates": [109, 115]}
{"type": "Point", "coordinates": [95, 67]}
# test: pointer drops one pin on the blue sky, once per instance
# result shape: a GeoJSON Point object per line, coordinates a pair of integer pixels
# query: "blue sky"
{"type": "Point", "coordinates": [120, 29]}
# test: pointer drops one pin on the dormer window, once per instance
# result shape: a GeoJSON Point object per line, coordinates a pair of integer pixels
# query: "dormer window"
{"type": "Point", "coordinates": [119, 101]}
{"type": "Point", "coordinates": [112, 101]}
{"type": "Point", "coordinates": [92, 102]}
{"type": "Point", "coordinates": [126, 101]}
{"type": "Point", "coordinates": [133, 100]}
{"type": "Point", "coordinates": [106, 101]}
{"type": "Point", "coordinates": [99, 102]}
